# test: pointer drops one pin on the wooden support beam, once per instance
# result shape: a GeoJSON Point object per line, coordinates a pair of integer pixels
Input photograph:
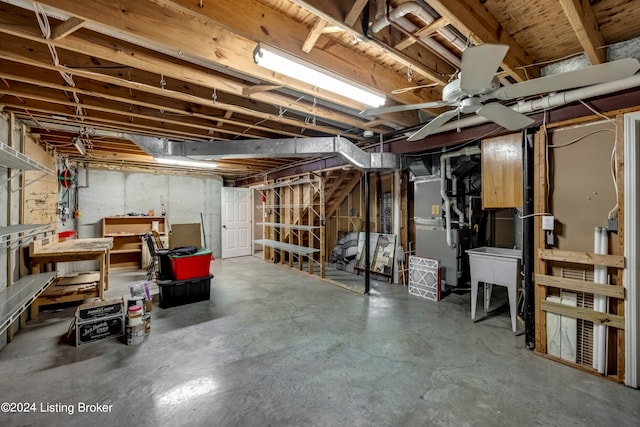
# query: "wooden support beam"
{"type": "Point", "coordinates": [330, 29]}
{"type": "Point", "coordinates": [472, 19]}
{"type": "Point", "coordinates": [423, 32]}
{"type": "Point", "coordinates": [140, 58]}
{"type": "Point", "coordinates": [615, 261]}
{"type": "Point", "coordinates": [227, 116]}
{"type": "Point", "coordinates": [69, 26]}
{"type": "Point", "coordinates": [354, 12]}
{"type": "Point", "coordinates": [314, 35]}
{"type": "Point", "coordinates": [250, 90]}
{"type": "Point", "coordinates": [585, 25]}
{"type": "Point", "coordinates": [580, 286]}
{"type": "Point", "coordinates": [596, 317]}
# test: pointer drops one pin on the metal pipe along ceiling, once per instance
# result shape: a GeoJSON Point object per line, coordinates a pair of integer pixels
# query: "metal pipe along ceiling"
{"type": "Point", "coordinates": [397, 17]}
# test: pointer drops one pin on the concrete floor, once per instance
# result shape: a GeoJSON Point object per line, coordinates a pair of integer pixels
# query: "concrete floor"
{"type": "Point", "coordinates": [279, 347]}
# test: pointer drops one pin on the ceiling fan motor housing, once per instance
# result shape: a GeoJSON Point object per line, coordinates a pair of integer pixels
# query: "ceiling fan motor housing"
{"type": "Point", "coordinates": [453, 93]}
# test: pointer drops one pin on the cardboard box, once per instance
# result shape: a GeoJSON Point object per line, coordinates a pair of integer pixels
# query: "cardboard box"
{"type": "Point", "coordinates": [185, 235]}
{"type": "Point", "coordinates": [99, 329]}
{"type": "Point", "coordinates": [98, 309]}
{"type": "Point", "coordinates": [99, 320]}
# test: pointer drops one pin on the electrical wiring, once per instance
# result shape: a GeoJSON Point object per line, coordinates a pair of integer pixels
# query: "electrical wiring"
{"type": "Point", "coordinates": [613, 213]}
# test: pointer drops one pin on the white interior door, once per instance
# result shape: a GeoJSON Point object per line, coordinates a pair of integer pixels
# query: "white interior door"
{"type": "Point", "coordinates": [236, 222]}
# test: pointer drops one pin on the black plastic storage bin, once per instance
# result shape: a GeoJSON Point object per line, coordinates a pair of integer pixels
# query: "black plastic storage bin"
{"type": "Point", "coordinates": [164, 262]}
{"type": "Point", "coordinates": [180, 292]}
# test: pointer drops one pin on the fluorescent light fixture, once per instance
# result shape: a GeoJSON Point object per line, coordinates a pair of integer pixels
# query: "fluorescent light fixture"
{"type": "Point", "coordinates": [79, 146]}
{"type": "Point", "coordinates": [184, 162]}
{"type": "Point", "coordinates": [292, 66]}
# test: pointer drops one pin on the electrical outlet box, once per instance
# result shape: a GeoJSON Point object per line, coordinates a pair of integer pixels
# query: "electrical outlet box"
{"type": "Point", "coordinates": [612, 225]}
{"type": "Point", "coordinates": [548, 222]}
{"type": "Point", "coordinates": [549, 238]}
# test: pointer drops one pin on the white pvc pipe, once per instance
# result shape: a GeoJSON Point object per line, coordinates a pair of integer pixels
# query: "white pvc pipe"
{"type": "Point", "coordinates": [596, 302]}
{"type": "Point", "coordinates": [444, 158]}
{"type": "Point", "coordinates": [601, 242]}
{"type": "Point", "coordinates": [551, 101]}
{"type": "Point", "coordinates": [604, 249]}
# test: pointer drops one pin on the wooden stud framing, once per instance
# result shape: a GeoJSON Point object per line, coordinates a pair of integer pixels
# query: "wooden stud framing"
{"type": "Point", "coordinates": [583, 313]}
{"type": "Point", "coordinates": [615, 261]}
{"type": "Point", "coordinates": [543, 281]}
{"type": "Point", "coordinates": [580, 286]}
{"type": "Point", "coordinates": [540, 206]}
{"type": "Point", "coordinates": [619, 306]}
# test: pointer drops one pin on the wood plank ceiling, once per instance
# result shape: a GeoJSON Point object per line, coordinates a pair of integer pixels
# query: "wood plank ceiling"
{"type": "Point", "coordinates": [183, 69]}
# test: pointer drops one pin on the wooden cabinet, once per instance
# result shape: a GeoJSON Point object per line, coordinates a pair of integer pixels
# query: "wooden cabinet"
{"type": "Point", "coordinates": [127, 232]}
{"type": "Point", "coordinates": [502, 172]}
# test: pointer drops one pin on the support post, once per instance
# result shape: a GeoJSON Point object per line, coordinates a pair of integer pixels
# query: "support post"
{"type": "Point", "coordinates": [527, 239]}
{"type": "Point", "coordinates": [367, 232]}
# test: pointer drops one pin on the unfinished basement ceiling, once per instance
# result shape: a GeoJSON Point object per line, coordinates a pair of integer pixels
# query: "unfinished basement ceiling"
{"type": "Point", "coordinates": [184, 69]}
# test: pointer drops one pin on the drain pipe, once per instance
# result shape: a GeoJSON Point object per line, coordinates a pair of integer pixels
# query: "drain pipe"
{"type": "Point", "coordinates": [444, 158]}
{"type": "Point", "coordinates": [397, 18]}
{"type": "Point", "coordinates": [551, 101]}
{"type": "Point", "coordinates": [454, 191]}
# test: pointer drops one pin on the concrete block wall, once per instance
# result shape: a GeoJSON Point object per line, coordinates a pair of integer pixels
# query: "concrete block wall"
{"type": "Point", "coordinates": [110, 193]}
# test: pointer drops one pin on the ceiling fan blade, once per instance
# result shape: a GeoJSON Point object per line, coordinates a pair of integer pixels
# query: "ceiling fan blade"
{"type": "Point", "coordinates": [434, 124]}
{"type": "Point", "coordinates": [479, 66]}
{"type": "Point", "coordinates": [504, 116]}
{"type": "Point", "coordinates": [592, 75]}
{"type": "Point", "coordinates": [406, 107]}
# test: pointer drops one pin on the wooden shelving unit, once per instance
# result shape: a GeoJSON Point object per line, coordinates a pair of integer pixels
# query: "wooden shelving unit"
{"type": "Point", "coordinates": [294, 223]}
{"type": "Point", "coordinates": [127, 232]}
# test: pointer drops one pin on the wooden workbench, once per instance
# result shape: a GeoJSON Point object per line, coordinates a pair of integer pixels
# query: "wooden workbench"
{"type": "Point", "coordinates": [50, 250]}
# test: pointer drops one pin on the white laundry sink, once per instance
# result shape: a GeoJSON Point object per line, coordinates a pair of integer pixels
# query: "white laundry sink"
{"type": "Point", "coordinates": [495, 266]}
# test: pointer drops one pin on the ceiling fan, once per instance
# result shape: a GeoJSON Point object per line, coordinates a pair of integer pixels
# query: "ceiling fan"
{"type": "Point", "coordinates": [477, 89]}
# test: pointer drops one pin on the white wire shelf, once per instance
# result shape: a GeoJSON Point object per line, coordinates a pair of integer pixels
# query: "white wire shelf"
{"type": "Point", "coordinates": [294, 226]}
{"type": "Point", "coordinates": [13, 159]}
{"type": "Point", "coordinates": [22, 231]}
{"type": "Point", "coordinates": [16, 298]}
{"type": "Point", "coordinates": [300, 250]}
{"type": "Point", "coordinates": [286, 184]}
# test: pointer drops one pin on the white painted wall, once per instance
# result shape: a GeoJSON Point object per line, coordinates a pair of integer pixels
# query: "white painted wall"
{"type": "Point", "coordinates": [111, 193]}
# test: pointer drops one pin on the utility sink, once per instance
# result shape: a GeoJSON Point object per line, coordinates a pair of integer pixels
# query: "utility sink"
{"type": "Point", "coordinates": [495, 266]}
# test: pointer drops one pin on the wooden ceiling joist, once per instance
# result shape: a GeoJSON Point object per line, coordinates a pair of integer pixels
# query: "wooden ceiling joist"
{"type": "Point", "coordinates": [69, 26]}
{"type": "Point", "coordinates": [139, 58]}
{"type": "Point", "coordinates": [314, 35]}
{"type": "Point", "coordinates": [355, 12]}
{"type": "Point", "coordinates": [436, 25]}
{"type": "Point", "coordinates": [474, 21]}
{"type": "Point", "coordinates": [171, 30]}
{"type": "Point", "coordinates": [585, 25]}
